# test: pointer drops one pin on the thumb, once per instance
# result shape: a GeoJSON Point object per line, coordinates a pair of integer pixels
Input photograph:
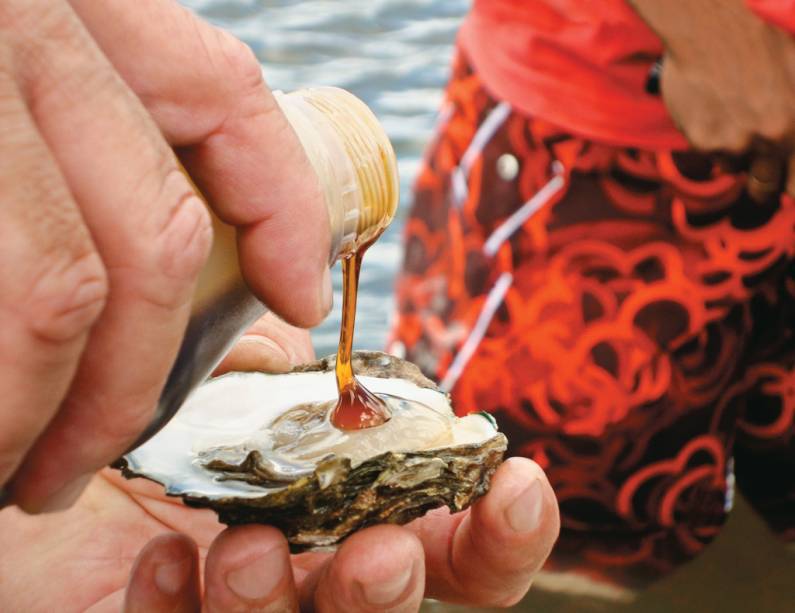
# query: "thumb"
{"type": "Point", "coordinates": [270, 345]}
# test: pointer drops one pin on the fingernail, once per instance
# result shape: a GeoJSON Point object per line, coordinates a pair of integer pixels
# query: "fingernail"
{"type": "Point", "coordinates": [258, 578]}
{"type": "Point", "coordinates": [171, 577]}
{"type": "Point", "coordinates": [326, 292]}
{"type": "Point", "coordinates": [66, 496]}
{"type": "Point", "coordinates": [387, 592]}
{"type": "Point", "coordinates": [274, 359]}
{"type": "Point", "coordinates": [524, 513]}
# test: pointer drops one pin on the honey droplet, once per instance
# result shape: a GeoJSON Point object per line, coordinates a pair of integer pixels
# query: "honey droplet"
{"type": "Point", "coordinates": [357, 407]}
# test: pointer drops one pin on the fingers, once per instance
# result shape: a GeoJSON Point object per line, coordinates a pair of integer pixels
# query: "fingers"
{"type": "Point", "coordinates": [270, 345]}
{"type": "Point", "coordinates": [165, 577]}
{"type": "Point", "coordinates": [234, 140]}
{"type": "Point", "coordinates": [149, 227]}
{"type": "Point", "coordinates": [52, 282]}
{"type": "Point", "coordinates": [378, 569]}
{"type": "Point", "coordinates": [488, 556]}
{"type": "Point", "coordinates": [248, 568]}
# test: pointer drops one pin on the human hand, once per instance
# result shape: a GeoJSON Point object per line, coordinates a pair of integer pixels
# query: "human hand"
{"type": "Point", "coordinates": [116, 548]}
{"type": "Point", "coordinates": [84, 559]}
{"type": "Point", "coordinates": [728, 80]}
{"type": "Point", "coordinates": [475, 557]}
{"type": "Point", "coordinates": [485, 556]}
{"type": "Point", "coordinates": [102, 236]}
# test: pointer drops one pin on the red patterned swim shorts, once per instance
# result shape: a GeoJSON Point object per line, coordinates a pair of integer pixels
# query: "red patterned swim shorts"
{"type": "Point", "coordinates": [628, 316]}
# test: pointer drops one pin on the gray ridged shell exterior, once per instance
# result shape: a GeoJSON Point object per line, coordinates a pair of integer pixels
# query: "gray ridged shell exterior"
{"type": "Point", "coordinates": [317, 512]}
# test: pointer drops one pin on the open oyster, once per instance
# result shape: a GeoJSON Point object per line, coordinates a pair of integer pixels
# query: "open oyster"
{"type": "Point", "coordinates": [259, 448]}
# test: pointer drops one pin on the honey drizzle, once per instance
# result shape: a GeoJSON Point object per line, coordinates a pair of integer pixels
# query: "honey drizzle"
{"type": "Point", "coordinates": [357, 407]}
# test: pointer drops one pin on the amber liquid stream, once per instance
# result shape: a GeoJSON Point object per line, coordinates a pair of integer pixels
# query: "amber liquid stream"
{"type": "Point", "coordinates": [357, 407]}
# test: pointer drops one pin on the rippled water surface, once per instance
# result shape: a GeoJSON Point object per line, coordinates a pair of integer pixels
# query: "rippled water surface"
{"type": "Point", "coordinates": [394, 54]}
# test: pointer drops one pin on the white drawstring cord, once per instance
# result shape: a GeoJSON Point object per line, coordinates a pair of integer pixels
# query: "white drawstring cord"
{"type": "Point", "coordinates": [539, 200]}
{"type": "Point", "coordinates": [490, 306]}
{"type": "Point", "coordinates": [483, 135]}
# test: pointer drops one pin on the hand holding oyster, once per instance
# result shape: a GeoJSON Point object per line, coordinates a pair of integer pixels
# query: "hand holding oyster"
{"type": "Point", "coordinates": [260, 448]}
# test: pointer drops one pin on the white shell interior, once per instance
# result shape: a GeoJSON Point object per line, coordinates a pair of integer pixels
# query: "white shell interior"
{"type": "Point", "coordinates": [238, 407]}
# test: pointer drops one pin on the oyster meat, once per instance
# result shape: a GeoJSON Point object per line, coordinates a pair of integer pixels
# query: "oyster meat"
{"type": "Point", "coordinates": [260, 448]}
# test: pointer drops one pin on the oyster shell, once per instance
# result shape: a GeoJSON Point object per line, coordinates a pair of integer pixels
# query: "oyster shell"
{"type": "Point", "coordinates": [258, 448]}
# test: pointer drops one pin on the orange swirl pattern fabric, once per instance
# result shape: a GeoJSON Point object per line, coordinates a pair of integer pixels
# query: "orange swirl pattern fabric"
{"type": "Point", "coordinates": [627, 315]}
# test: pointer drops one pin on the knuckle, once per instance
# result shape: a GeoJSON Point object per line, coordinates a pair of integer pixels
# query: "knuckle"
{"type": "Point", "coordinates": [183, 243]}
{"type": "Point", "coordinates": [737, 142]}
{"type": "Point", "coordinates": [705, 138]}
{"type": "Point", "coordinates": [160, 254]}
{"type": "Point", "coordinates": [697, 138]}
{"type": "Point", "coordinates": [67, 298]}
{"type": "Point", "coordinates": [37, 29]}
{"type": "Point", "coordinates": [240, 65]}
{"type": "Point", "coordinates": [47, 92]}
{"type": "Point", "coordinates": [57, 64]}
{"type": "Point", "coordinates": [776, 126]}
